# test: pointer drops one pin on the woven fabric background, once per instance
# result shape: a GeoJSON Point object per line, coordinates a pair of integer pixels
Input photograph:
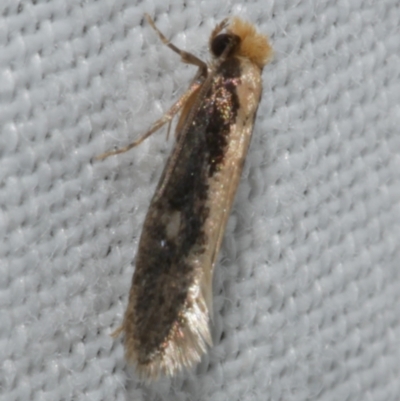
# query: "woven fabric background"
{"type": "Point", "coordinates": [307, 289]}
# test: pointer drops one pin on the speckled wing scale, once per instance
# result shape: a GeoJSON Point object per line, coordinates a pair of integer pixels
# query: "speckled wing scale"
{"type": "Point", "coordinates": [166, 324]}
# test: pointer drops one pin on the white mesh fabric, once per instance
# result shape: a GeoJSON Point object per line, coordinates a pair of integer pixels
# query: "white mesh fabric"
{"type": "Point", "coordinates": [306, 293]}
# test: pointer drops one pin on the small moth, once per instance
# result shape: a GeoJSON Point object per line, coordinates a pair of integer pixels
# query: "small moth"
{"type": "Point", "coordinates": [166, 324]}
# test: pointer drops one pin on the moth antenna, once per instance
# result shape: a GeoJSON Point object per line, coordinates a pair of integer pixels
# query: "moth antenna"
{"type": "Point", "coordinates": [186, 57]}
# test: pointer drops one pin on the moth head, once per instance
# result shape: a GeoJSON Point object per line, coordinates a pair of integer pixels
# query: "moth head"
{"type": "Point", "coordinates": [243, 40]}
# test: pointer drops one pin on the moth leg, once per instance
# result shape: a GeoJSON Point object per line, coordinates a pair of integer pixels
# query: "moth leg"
{"type": "Point", "coordinates": [166, 118]}
{"type": "Point", "coordinates": [169, 129]}
{"type": "Point", "coordinates": [186, 57]}
{"type": "Point", "coordinates": [117, 332]}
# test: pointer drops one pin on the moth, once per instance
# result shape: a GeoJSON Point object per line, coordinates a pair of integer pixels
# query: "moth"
{"type": "Point", "coordinates": [166, 323]}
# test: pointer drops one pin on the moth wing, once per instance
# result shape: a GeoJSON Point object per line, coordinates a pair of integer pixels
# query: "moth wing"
{"type": "Point", "coordinates": [167, 319]}
{"type": "Point", "coordinates": [224, 185]}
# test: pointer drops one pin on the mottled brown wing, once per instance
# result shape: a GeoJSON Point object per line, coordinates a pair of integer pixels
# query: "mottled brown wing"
{"type": "Point", "coordinates": [166, 322]}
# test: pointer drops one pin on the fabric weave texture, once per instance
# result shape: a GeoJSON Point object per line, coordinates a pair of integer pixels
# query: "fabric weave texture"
{"type": "Point", "coordinates": [307, 287]}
